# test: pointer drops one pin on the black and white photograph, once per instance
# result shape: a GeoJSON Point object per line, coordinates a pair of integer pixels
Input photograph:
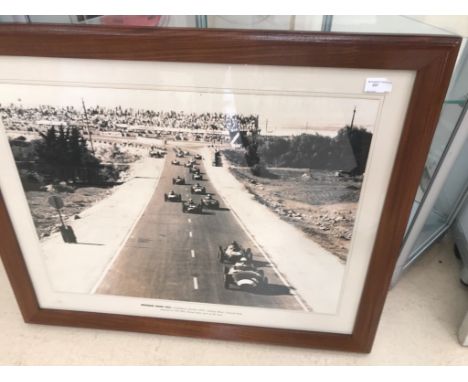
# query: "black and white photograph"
{"type": "Point", "coordinates": [180, 191]}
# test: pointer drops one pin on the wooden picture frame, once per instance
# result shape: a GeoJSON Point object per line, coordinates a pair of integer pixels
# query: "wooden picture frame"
{"type": "Point", "coordinates": [430, 58]}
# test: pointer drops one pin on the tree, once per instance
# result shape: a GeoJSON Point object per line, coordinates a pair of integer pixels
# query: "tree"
{"type": "Point", "coordinates": [360, 141]}
{"type": "Point", "coordinates": [249, 142]}
{"type": "Point", "coordinates": [75, 147]}
{"type": "Point", "coordinates": [66, 153]}
{"type": "Point", "coordinates": [61, 146]}
{"type": "Point", "coordinates": [347, 151]}
{"type": "Point", "coordinates": [46, 151]}
{"type": "Point", "coordinates": [271, 150]}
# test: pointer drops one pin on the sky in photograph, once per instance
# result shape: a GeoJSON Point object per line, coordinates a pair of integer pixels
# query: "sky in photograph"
{"type": "Point", "coordinates": [279, 113]}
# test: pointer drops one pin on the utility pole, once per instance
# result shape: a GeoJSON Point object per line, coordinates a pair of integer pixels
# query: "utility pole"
{"type": "Point", "coordinates": [87, 127]}
{"type": "Point", "coordinates": [352, 120]}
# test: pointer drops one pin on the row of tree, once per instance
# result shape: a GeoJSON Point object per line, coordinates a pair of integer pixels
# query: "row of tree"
{"type": "Point", "coordinates": [347, 151]}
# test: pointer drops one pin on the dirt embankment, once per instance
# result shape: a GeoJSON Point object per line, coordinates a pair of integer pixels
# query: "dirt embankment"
{"type": "Point", "coordinates": [319, 202]}
{"type": "Point", "coordinates": [77, 198]}
{"type": "Point", "coordinates": [46, 218]}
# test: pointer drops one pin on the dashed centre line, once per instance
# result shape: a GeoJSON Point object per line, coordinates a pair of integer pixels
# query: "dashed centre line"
{"type": "Point", "coordinates": [195, 283]}
{"type": "Point", "coordinates": [190, 234]}
{"type": "Point", "coordinates": [189, 220]}
{"type": "Point", "coordinates": [192, 253]}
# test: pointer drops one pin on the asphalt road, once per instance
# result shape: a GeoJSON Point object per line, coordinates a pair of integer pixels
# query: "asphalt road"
{"type": "Point", "coordinates": [174, 255]}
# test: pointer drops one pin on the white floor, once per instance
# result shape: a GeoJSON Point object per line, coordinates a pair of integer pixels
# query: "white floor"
{"type": "Point", "coordinates": [419, 327]}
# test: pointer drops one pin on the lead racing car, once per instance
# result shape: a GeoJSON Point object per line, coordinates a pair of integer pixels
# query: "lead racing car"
{"type": "Point", "coordinates": [175, 162]}
{"type": "Point", "coordinates": [191, 207]}
{"type": "Point", "coordinates": [234, 253]}
{"type": "Point", "coordinates": [198, 189]}
{"type": "Point", "coordinates": [172, 197]}
{"type": "Point", "coordinates": [244, 276]}
{"type": "Point", "coordinates": [209, 202]}
{"type": "Point", "coordinates": [178, 180]}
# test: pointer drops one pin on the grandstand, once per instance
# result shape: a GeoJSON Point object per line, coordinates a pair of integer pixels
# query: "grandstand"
{"type": "Point", "coordinates": [122, 122]}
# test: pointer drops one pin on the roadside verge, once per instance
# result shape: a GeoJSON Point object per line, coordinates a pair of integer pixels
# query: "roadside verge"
{"type": "Point", "coordinates": [101, 231]}
{"type": "Point", "coordinates": [315, 273]}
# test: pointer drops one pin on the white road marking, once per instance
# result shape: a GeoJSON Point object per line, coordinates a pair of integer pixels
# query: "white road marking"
{"type": "Point", "coordinates": [193, 253]}
{"type": "Point", "coordinates": [190, 234]}
{"type": "Point", "coordinates": [195, 283]}
{"type": "Point", "coordinates": [189, 220]}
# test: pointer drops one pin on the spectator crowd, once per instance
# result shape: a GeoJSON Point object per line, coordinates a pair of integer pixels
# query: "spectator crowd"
{"type": "Point", "coordinates": [124, 121]}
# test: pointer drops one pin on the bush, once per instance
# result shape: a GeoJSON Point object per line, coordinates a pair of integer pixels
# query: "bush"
{"type": "Point", "coordinates": [64, 155]}
{"type": "Point", "coordinates": [260, 170]}
{"type": "Point", "coordinates": [348, 151]}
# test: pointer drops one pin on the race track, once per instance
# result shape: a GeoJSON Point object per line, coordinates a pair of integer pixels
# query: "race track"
{"type": "Point", "coordinates": [174, 255]}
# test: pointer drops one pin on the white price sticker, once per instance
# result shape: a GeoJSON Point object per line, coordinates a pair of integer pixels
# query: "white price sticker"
{"type": "Point", "coordinates": [378, 85]}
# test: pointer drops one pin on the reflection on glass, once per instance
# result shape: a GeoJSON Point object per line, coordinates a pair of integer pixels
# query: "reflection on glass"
{"type": "Point", "coordinates": [291, 22]}
{"type": "Point", "coordinates": [383, 24]}
{"type": "Point", "coordinates": [450, 117]}
{"type": "Point", "coordinates": [454, 189]}
{"type": "Point", "coordinates": [450, 114]}
{"type": "Point", "coordinates": [353, 24]}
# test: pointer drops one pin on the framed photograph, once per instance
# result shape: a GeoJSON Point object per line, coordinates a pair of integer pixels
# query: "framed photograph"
{"type": "Point", "coordinates": [236, 185]}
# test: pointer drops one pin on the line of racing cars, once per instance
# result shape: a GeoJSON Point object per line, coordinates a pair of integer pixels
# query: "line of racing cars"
{"type": "Point", "coordinates": [189, 206]}
{"type": "Point", "coordinates": [239, 269]}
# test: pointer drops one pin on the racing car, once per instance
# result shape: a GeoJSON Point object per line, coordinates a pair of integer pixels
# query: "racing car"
{"type": "Point", "coordinates": [179, 154]}
{"type": "Point", "coordinates": [172, 197]}
{"type": "Point", "coordinates": [209, 202]}
{"type": "Point", "coordinates": [188, 163]}
{"type": "Point", "coordinates": [234, 253]}
{"type": "Point", "coordinates": [194, 169]}
{"type": "Point", "coordinates": [191, 207]}
{"type": "Point", "coordinates": [217, 159]}
{"type": "Point", "coordinates": [197, 176]}
{"type": "Point", "coordinates": [178, 180]}
{"type": "Point", "coordinates": [197, 156]}
{"type": "Point", "coordinates": [175, 162]}
{"type": "Point", "coordinates": [156, 154]}
{"type": "Point", "coordinates": [244, 276]}
{"type": "Point", "coordinates": [197, 189]}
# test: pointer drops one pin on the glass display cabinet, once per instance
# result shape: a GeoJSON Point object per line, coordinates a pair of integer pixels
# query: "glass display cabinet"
{"type": "Point", "coordinates": [443, 186]}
